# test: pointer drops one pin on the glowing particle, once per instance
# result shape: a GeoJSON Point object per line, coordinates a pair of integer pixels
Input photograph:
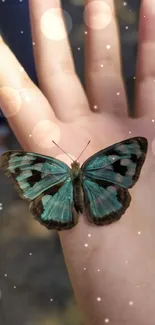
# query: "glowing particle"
{"type": "Point", "coordinates": [86, 245]}
{"type": "Point", "coordinates": [108, 46]}
{"type": "Point", "coordinates": [131, 303]}
{"type": "Point", "coordinates": [89, 235]}
{"type": "Point", "coordinates": [98, 299]}
{"type": "Point", "coordinates": [107, 320]}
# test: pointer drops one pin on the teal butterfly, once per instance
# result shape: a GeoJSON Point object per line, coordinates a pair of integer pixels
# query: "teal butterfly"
{"type": "Point", "coordinates": [58, 193]}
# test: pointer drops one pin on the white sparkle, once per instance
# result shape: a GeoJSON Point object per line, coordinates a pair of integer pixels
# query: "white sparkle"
{"type": "Point", "coordinates": [51, 299]}
{"type": "Point", "coordinates": [89, 235]}
{"type": "Point", "coordinates": [127, 27]}
{"type": "Point", "coordinates": [106, 320]}
{"type": "Point", "coordinates": [118, 93]}
{"type": "Point", "coordinates": [134, 77]}
{"type": "Point", "coordinates": [139, 232]}
{"type": "Point", "coordinates": [85, 269]}
{"type": "Point", "coordinates": [86, 32]}
{"type": "Point", "coordinates": [30, 135]}
{"type": "Point", "coordinates": [108, 47]}
{"type": "Point", "coordinates": [14, 287]}
{"type": "Point", "coordinates": [153, 121]}
{"type": "Point", "coordinates": [129, 132]}
{"type": "Point", "coordinates": [28, 99]}
{"type": "Point", "coordinates": [33, 43]}
{"type": "Point", "coordinates": [95, 107]}
{"type": "Point", "coordinates": [124, 3]}
{"type": "Point", "coordinates": [98, 270]}
{"type": "Point", "coordinates": [86, 245]}
{"type": "Point", "coordinates": [30, 254]}
{"type": "Point", "coordinates": [5, 275]}
{"type": "Point", "coordinates": [98, 299]}
{"type": "Point", "coordinates": [21, 31]}
{"type": "Point", "coordinates": [79, 48]}
{"type": "Point", "coordinates": [101, 65]}
{"type": "Point", "coordinates": [131, 303]}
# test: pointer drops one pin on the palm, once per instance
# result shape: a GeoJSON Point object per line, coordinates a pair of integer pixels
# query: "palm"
{"type": "Point", "coordinates": [61, 113]}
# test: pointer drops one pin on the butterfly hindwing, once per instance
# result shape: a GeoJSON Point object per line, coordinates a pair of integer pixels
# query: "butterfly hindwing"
{"type": "Point", "coordinates": [104, 202]}
{"type": "Point", "coordinates": [107, 176]}
{"type": "Point", "coordinates": [55, 208]}
{"type": "Point", "coordinates": [33, 173]}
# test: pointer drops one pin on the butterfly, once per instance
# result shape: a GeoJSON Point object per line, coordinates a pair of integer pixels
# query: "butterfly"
{"type": "Point", "coordinates": [58, 193]}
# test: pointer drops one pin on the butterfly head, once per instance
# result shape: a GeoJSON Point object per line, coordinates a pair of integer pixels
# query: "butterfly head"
{"type": "Point", "coordinates": [75, 165]}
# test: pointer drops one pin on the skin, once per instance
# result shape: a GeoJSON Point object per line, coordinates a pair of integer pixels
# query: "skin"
{"type": "Point", "coordinates": [123, 290]}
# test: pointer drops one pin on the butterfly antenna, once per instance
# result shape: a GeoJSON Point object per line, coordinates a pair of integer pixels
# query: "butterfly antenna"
{"type": "Point", "coordinates": [63, 150]}
{"type": "Point", "coordinates": [83, 150]}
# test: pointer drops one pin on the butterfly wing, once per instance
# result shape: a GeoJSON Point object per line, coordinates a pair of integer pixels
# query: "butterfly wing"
{"type": "Point", "coordinates": [36, 178]}
{"type": "Point", "coordinates": [55, 207]}
{"type": "Point", "coordinates": [108, 174]}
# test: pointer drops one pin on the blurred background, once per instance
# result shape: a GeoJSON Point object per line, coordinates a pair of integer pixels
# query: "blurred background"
{"type": "Point", "coordinates": [34, 285]}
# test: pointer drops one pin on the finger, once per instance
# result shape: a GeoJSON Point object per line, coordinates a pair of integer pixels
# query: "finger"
{"type": "Point", "coordinates": [145, 76]}
{"type": "Point", "coordinates": [55, 68]}
{"type": "Point", "coordinates": [27, 110]}
{"type": "Point", "coordinates": [104, 83]}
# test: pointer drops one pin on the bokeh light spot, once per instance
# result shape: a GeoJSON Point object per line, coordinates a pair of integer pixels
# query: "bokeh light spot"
{"type": "Point", "coordinates": [52, 24]}
{"type": "Point", "coordinates": [97, 15]}
{"type": "Point", "coordinates": [44, 132]}
{"type": "Point", "coordinates": [10, 101]}
{"type": "Point", "coordinates": [65, 158]}
{"type": "Point", "coordinates": [153, 147]}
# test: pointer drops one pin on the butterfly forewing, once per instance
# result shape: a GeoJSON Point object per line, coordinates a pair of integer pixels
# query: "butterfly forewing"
{"type": "Point", "coordinates": [32, 173]}
{"type": "Point", "coordinates": [108, 174]}
{"type": "Point", "coordinates": [119, 164]}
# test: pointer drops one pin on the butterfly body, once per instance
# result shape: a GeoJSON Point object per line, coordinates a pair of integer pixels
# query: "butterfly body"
{"type": "Point", "coordinates": [58, 193]}
{"type": "Point", "coordinates": [78, 194]}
